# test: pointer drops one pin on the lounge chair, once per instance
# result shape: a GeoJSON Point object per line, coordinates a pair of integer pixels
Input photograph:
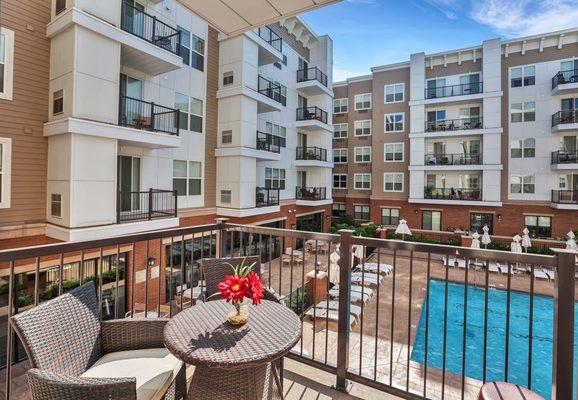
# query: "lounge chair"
{"type": "Point", "coordinates": [358, 294]}
{"type": "Point", "coordinates": [366, 280]}
{"type": "Point", "coordinates": [505, 269]}
{"type": "Point", "coordinates": [551, 274]}
{"type": "Point", "coordinates": [493, 267]}
{"type": "Point", "coordinates": [539, 274]}
{"type": "Point", "coordinates": [384, 269]}
{"type": "Point", "coordinates": [334, 305]}
{"type": "Point", "coordinates": [330, 316]}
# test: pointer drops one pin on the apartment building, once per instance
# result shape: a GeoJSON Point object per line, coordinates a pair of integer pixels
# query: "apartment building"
{"type": "Point", "coordinates": [463, 138]}
{"type": "Point", "coordinates": [127, 116]}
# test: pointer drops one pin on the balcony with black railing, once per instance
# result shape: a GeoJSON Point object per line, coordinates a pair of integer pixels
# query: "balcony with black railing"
{"type": "Point", "coordinates": [311, 153]}
{"type": "Point", "coordinates": [271, 90]}
{"type": "Point", "coordinates": [311, 114]}
{"type": "Point", "coordinates": [449, 125]}
{"type": "Point", "coordinates": [268, 142]}
{"type": "Point", "coordinates": [564, 117]}
{"type": "Point", "coordinates": [266, 197]}
{"type": "Point", "coordinates": [145, 206]}
{"type": "Point", "coordinates": [462, 89]}
{"type": "Point", "coordinates": [565, 157]}
{"type": "Point", "coordinates": [148, 116]}
{"type": "Point", "coordinates": [565, 78]}
{"type": "Point", "coordinates": [469, 194]}
{"type": "Point", "coordinates": [272, 38]}
{"type": "Point", "coordinates": [565, 197]}
{"type": "Point", "coordinates": [453, 159]}
{"type": "Point", "coordinates": [310, 193]}
{"type": "Point", "coordinates": [312, 74]}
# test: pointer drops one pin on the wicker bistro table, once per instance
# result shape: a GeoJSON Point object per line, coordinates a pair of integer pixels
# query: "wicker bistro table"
{"type": "Point", "coordinates": [233, 362]}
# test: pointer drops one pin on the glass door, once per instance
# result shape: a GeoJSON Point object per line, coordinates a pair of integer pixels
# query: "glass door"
{"type": "Point", "coordinates": [302, 179]}
{"type": "Point", "coordinates": [134, 17]}
{"type": "Point", "coordinates": [131, 90]}
{"type": "Point", "coordinates": [129, 183]}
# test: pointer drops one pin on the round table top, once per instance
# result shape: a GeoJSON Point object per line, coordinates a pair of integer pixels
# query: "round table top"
{"type": "Point", "coordinates": [201, 335]}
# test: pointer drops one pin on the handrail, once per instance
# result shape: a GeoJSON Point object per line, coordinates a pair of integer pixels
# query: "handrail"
{"type": "Point", "coordinates": [453, 159]}
{"type": "Point", "coordinates": [140, 114]}
{"type": "Point", "coordinates": [454, 124]}
{"type": "Point", "coordinates": [311, 153]}
{"type": "Point", "coordinates": [452, 193]}
{"type": "Point", "coordinates": [311, 74]}
{"type": "Point", "coordinates": [268, 35]}
{"type": "Point", "coordinates": [146, 205]}
{"type": "Point", "coordinates": [268, 142]}
{"type": "Point", "coordinates": [564, 77]}
{"type": "Point", "coordinates": [565, 157]}
{"type": "Point", "coordinates": [311, 113]}
{"type": "Point", "coordinates": [461, 89]}
{"type": "Point", "coordinates": [565, 196]}
{"type": "Point", "coordinates": [310, 193]}
{"type": "Point", "coordinates": [270, 89]}
{"type": "Point", "coordinates": [565, 117]}
{"type": "Point", "coordinates": [266, 197]}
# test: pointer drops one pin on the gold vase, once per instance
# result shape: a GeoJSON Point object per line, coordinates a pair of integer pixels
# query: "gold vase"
{"type": "Point", "coordinates": [238, 314]}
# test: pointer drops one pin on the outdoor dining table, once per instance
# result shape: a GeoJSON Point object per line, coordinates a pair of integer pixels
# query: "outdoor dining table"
{"type": "Point", "coordinates": [233, 362]}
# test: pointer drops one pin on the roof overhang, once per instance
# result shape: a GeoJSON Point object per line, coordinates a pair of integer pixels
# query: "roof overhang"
{"type": "Point", "coordinates": [232, 17]}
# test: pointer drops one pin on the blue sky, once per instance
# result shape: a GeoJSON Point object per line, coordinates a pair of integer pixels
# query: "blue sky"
{"type": "Point", "coordinates": [368, 33]}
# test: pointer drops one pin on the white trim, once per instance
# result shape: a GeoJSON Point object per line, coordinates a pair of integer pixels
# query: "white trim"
{"type": "Point", "coordinates": [394, 85]}
{"type": "Point", "coordinates": [361, 174]}
{"type": "Point", "coordinates": [346, 105]}
{"type": "Point", "coordinates": [346, 155]}
{"type": "Point", "coordinates": [402, 152]}
{"type": "Point", "coordinates": [246, 212]}
{"type": "Point", "coordinates": [362, 108]}
{"type": "Point", "coordinates": [7, 94]}
{"type": "Point", "coordinates": [6, 166]}
{"type": "Point", "coordinates": [355, 155]}
{"type": "Point", "coordinates": [346, 130]}
{"type": "Point", "coordinates": [394, 130]}
{"type": "Point", "coordinates": [393, 182]}
{"type": "Point", "coordinates": [360, 121]}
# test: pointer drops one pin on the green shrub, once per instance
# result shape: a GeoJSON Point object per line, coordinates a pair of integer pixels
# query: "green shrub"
{"type": "Point", "coordinates": [298, 301]}
{"type": "Point", "coordinates": [24, 300]}
{"type": "Point", "coordinates": [4, 286]}
{"type": "Point", "coordinates": [52, 291]}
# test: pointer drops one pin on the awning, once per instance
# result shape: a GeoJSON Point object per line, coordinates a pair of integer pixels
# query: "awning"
{"type": "Point", "coordinates": [233, 17]}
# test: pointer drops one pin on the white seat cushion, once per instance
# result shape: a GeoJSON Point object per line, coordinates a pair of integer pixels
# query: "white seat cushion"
{"type": "Point", "coordinates": [154, 370]}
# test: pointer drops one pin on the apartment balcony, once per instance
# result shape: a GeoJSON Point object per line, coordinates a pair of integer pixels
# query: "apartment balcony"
{"type": "Point", "coordinates": [268, 143]}
{"type": "Point", "coordinates": [269, 97]}
{"type": "Point", "coordinates": [270, 45]}
{"type": "Point", "coordinates": [564, 160]}
{"type": "Point", "coordinates": [455, 127]}
{"type": "Point", "coordinates": [312, 118]}
{"type": "Point", "coordinates": [459, 194]}
{"type": "Point", "coordinates": [146, 206]}
{"type": "Point", "coordinates": [565, 82]}
{"type": "Point", "coordinates": [453, 161]}
{"type": "Point", "coordinates": [565, 199]}
{"type": "Point", "coordinates": [311, 196]}
{"type": "Point", "coordinates": [312, 81]}
{"type": "Point", "coordinates": [266, 197]}
{"type": "Point", "coordinates": [565, 120]}
{"type": "Point", "coordinates": [312, 157]}
{"type": "Point", "coordinates": [444, 95]}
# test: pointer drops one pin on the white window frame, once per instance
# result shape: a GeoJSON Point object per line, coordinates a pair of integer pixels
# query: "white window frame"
{"type": "Point", "coordinates": [393, 145]}
{"type": "Point", "coordinates": [361, 122]}
{"type": "Point", "coordinates": [394, 86]}
{"type": "Point", "coordinates": [188, 177]}
{"type": "Point", "coordinates": [363, 206]}
{"type": "Point", "coordinates": [393, 182]}
{"type": "Point", "coordinates": [362, 181]}
{"type": "Point", "coordinates": [522, 178]}
{"type": "Point", "coordinates": [275, 182]}
{"type": "Point", "coordinates": [339, 187]}
{"type": "Point", "coordinates": [523, 111]}
{"type": "Point", "coordinates": [362, 95]}
{"type": "Point", "coordinates": [362, 150]}
{"type": "Point", "coordinates": [394, 115]}
{"type": "Point", "coordinates": [338, 128]}
{"type": "Point", "coordinates": [524, 145]}
{"type": "Point", "coordinates": [340, 101]}
{"type": "Point", "coordinates": [7, 93]}
{"type": "Point", "coordinates": [341, 151]}
{"type": "Point", "coordinates": [523, 75]}
{"type": "Point", "coordinates": [5, 171]}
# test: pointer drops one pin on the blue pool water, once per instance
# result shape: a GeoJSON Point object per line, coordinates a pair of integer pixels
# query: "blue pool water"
{"type": "Point", "coordinates": [496, 340]}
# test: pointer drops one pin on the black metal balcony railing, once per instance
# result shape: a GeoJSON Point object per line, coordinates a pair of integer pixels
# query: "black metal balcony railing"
{"type": "Point", "coordinates": [565, 117]}
{"type": "Point", "coordinates": [461, 89]}
{"type": "Point", "coordinates": [311, 113]}
{"type": "Point", "coordinates": [310, 193]}
{"type": "Point", "coordinates": [149, 205]}
{"type": "Point", "coordinates": [453, 159]}
{"type": "Point", "coordinates": [149, 28]}
{"type": "Point", "coordinates": [266, 197]}
{"type": "Point", "coordinates": [311, 153]}
{"type": "Point", "coordinates": [139, 114]}
{"type": "Point", "coordinates": [268, 142]}
{"type": "Point", "coordinates": [452, 194]}
{"type": "Point", "coordinates": [454, 124]}
{"type": "Point", "coordinates": [271, 89]}
{"type": "Point", "coordinates": [565, 196]}
{"type": "Point", "coordinates": [311, 74]}
{"type": "Point", "coordinates": [270, 37]}
{"type": "Point", "coordinates": [563, 77]}
{"type": "Point", "coordinates": [565, 157]}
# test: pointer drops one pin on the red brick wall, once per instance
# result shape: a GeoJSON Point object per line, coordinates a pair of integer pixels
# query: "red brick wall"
{"type": "Point", "coordinates": [141, 255]}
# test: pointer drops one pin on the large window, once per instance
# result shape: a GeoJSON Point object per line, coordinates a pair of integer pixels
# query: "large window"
{"type": "Point", "coordinates": [339, 156]}
{"type": "Point", "coordinates": [338, 209]}
{"type": "Point", "coordinates": [191, 112]}
{"type": "Point", "coordinates": [363, 101]}
{"type": "Point", "coordinates": [362, 181]}
{"type": "Point", "coordinates": [362, 154]}
{"type": "Point", "coordinates": [392, 182]}
{"type": "Point", "coordinates": [392, 152]}
{"type": "Point", "coordinates": [523, 112]}
{"type": "Point", "coordinates": [279, 131]}
{"type": "Point", "coordinates": [523, 76]}
{"type": "Point", "coordinates": [187, 177]}
{"type": "Point", "coordinates": [479, 220]}
{"type": "Point", "coordinates": [340, 181]}
{"type": "Point", "coordinates": [361, 212]}
{"type": "Point", "coordinates": [539, 226]}
{"type": "Point", "coordinates": [340, 131]}
{"type": "Point", "coordinates": [56, 205]}
{"type": "Point", "coordinates": [522, 184]}
{"type": "Point", "coordinates": [6, 63]}
{"type": "Point", "coordinates": [5, 178]}
{"type": "Point", "coordinates": [431, 220]}
{"type": "Point", "coordinates": [390, 216]}
{"type": "Point", "coordinates": [394, 122]}
{"type": "Point", "coordinates": [192, 49]}
{"type": "Point", "coordinates": [362, 128]}
{"type": "Point", "coordinates": [339, 106]}
{"type": "Point", "coordinates": [394, 93]}
{"type": "Point", "coordinates": [523, 148]}
{"type": "Point", "coordinates": [275, 178]}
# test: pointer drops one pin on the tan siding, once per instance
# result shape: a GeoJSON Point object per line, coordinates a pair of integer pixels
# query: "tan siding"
{"type": "Point", "coordinates": [22, 118]}
{"type": "Point", "coordinates": [211, 118]}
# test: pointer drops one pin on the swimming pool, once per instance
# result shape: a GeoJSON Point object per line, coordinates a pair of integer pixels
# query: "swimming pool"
{"type": "Point", "coordinates": [496, 340]}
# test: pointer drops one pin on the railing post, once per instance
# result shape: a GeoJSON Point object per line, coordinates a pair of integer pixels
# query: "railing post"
{"type": "Point", "coordinates": [176, 203]}
{"type": "Point", "coordinates": [154, 29]}
{"type": "Point", "coordinates": [563, 355]}
{"type": "Point", "coordinates": [153, 116]}
{"type": "Point", "coordinates": [118, 203]}
{"type": "Point", "coordinates": [341, 382]}
{"type": "Point", "coordinates": [150, 203]}
{"type": "Point", "coordinates": [223, 237]}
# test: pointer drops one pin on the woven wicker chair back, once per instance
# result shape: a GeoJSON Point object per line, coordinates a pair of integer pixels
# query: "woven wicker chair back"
{"type": "Point", "coordinates": [215, 270]}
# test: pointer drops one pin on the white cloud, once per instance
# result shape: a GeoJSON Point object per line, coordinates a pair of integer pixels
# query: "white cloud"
{"type": "Point", "coordinates": [525, 17]}
{"type": "Point", "coordinates": [447, 7]}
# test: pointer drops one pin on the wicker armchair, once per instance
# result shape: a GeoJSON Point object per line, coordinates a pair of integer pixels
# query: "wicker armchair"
{"type": "Point", "coordinates": [76, 356]}
{"type": "Point", "coordinates": [215, 269]}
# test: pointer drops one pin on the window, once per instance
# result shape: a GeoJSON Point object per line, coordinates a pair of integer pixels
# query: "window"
{"type": "Point", "coordinates": [394, 122]}
{"type": "Point", "coordinates": [226, 196]}
{"type": "Point", "coordinates": [185, 45]}
{"type": "Point", "coordinates": [196, 117]}
{"type": "Point", "coordinates": [191, 112]}
{"type": "Point", "coordinates": [523, 112]}
{"type": "Point", "coordinates": [361, 212]}
{"type": "Point", "coordinates": [338, 209]}
{"type": "Point", "coordinates": [363, 101]}
{"type": "Point", "coordinates": [539, 226]}
{"type": "Point", "coordinates": [479, 220]}
{"type": "Point", "coordinates": [340, 181]}
{"type": "Point", "coordinates": [227, 137]}
{"type": "Point", "coordinates": [275, 178]}
{"type": "Point", "coordinates": [187, 177]}
{"type": "Point", "coordinates": [392, 152]}
{"type": "Point", "coordinates": [279, 131]}
{"type": "Point", "coordinates": [393, 182]}
{"type": "Point", "coordinates": [6, 63]}
{"type": "Point", "coordinates": [57, 102]}
{"type": "Point", "coordinates": [339, 156]}
{"type": "Point", "coordinates": [431, 220]}
{"type": "Point", "coordinates": [523, 76]}
{"type": "Point", "coordinates": [389, 216]}
{"type": "Point", "coordinates": [60, 6]}
{"type": "Point", "coordinates": [523, 148]}
{"type": "Point", "coordinates": [394, 93]}
{"type": "Point", "coordinates": [340, 106]}
{"type": "Point", "coordinates": [228, 78]}
{"type": "Point", "coordinates": [198, 54]}
{"type": "Point", "coordinates": [340, 131]}
{"type": "Point", "coordinates": [56, 205]}
{"type": "Point", "coordinates": [522, 184]}
{"type": "Point", "coordinates": [362, 128]}
{"type": "Point", "coordinates": [362, 181]}
{"type": "Point", "coordinates": [362, 154]}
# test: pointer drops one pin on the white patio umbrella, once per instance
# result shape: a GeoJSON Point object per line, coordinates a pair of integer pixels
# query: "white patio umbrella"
{"type": "Point", "coordinates": [334, 267]}
{"type": "Point", "coordinates": [475, 241]}
{"type": "Point", "coordinates": [515, 246]}
{"type": "Point", "coordinates": [571, 242]}
{"type": "Point", "coordinates": [526, 242]}
{"type": "Point", "coordinates": [486, 236]}
{"type": "Point", "coordinates": [402, 229]}
{"type": "Point", "coordinates": [358, 254]}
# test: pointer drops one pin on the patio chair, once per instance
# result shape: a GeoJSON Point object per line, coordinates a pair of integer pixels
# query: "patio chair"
{"type": "Point", "coordinates": [74, 355]}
